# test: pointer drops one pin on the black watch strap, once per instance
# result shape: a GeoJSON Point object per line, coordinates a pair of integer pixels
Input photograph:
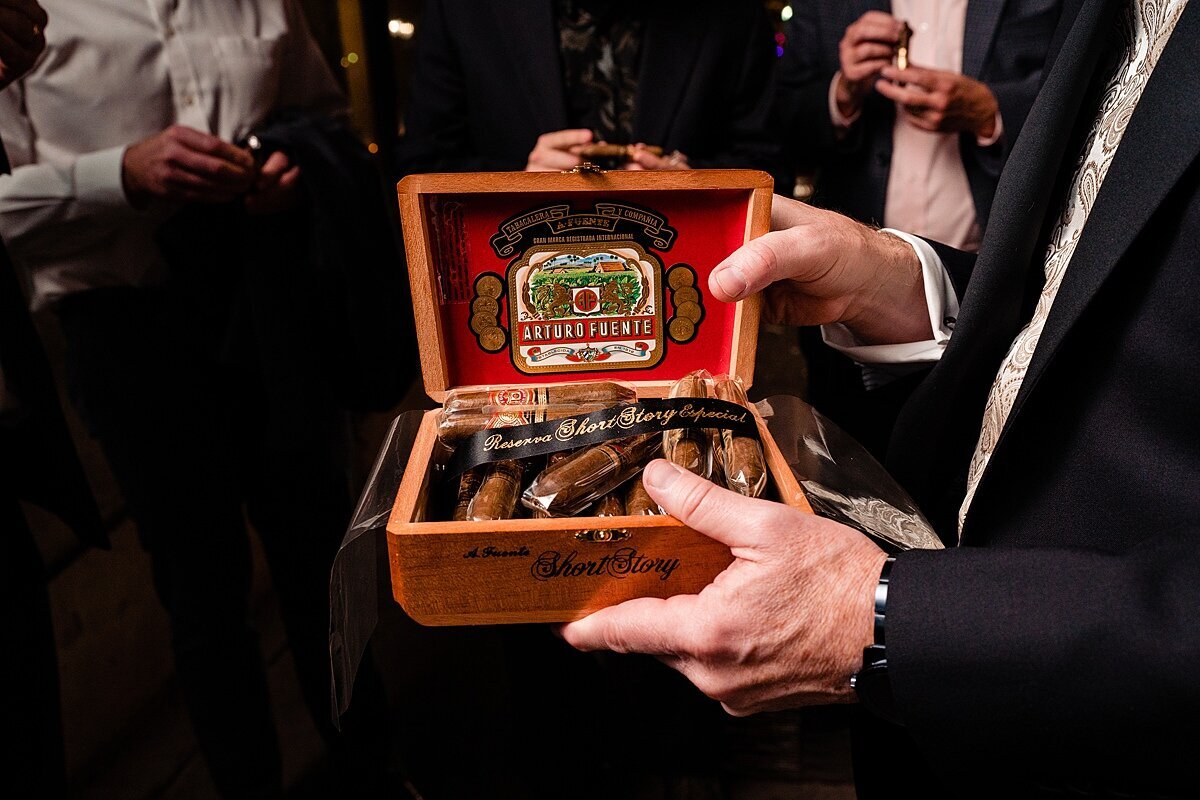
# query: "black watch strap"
{"type": "Point", "coordinates": [871, 683]}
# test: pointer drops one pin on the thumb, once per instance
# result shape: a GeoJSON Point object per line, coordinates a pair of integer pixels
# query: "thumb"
{"type": "Point", "coordinates": [795, 249]}
{"type": "Point", "coordinates": [700, 504]}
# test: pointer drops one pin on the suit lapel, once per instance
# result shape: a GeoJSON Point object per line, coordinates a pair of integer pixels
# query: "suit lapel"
{"type": "Point", "coordinates": [531, 35]}
{"type": "Point", "coordinates": [938, 430]}
{"type": "Point", "coordinates": [671, 42]}
{"type": "Point", "coordinates": [1161, 142]}
{"type": "Point", "coordinates": [983, 18]}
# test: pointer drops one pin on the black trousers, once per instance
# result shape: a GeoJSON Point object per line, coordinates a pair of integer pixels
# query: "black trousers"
{"type": "Point", "coordinates": [31, 760]}
{"type": "Point", "coordinates": [192, 443]}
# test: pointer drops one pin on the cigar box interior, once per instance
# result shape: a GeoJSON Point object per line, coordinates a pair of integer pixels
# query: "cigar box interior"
{"type": "Point", "coordinates": [531, 280]}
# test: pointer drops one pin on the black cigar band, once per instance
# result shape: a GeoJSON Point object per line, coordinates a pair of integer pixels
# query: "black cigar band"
{"type": "Point", "coordinates": [583, 430]}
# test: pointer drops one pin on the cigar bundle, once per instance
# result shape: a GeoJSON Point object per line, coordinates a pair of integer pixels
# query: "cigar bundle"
{"type": "Point", "coordinates": [601, 480]}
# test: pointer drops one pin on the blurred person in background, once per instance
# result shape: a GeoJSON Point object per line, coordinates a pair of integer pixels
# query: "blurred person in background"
{"type": "Point", "coordinates": [919, 149]}
{"type": "Point", "coordinates": [527, 85]}
{"type": "Point", "coordinates": [162, 243]}
{"type": "Point", "coordinates": [38, 464]}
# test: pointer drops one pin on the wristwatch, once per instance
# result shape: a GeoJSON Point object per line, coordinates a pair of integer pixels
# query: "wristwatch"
{"type": "Point", "coordinates": [871, 683]}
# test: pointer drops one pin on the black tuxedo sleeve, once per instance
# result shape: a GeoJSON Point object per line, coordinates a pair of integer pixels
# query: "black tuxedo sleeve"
{"type": "Point", "coordinates": [437, 134]}
{"type": "Point", "coordinates": [751, 140]}
{"type": "Point", "coordinates": [801, 107]}
{"type": "Point", "coordinates": [1072, 670]}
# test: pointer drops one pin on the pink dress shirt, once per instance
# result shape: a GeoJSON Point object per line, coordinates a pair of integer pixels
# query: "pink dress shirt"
{"type": "Point", "coordinates": [928, 193]}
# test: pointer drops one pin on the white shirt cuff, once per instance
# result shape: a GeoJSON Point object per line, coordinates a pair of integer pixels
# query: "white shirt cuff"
{"type": "Point", "coordinates": [997, 132]}
{"type": "Point", "coordinates": [942, 304]}
{"type": "Point", "coordinates": [98, 177]}
{"type": "Point", "coordinates": [839, 119]}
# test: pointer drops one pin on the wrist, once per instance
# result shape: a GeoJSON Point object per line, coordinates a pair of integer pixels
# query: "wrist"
{"type": "Point", "coordinates": [872, 683]}
{"type": "Point", "coordinates": [848, 97]}
{"type": "Point", "coordinates": [891, 309]}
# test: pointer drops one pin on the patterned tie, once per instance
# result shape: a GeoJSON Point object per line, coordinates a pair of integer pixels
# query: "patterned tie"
{"type": "Point", "coordinates": [1145, 26]}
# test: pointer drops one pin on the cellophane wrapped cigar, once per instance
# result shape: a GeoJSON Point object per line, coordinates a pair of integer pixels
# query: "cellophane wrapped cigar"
{"type": "Point", "coordinates": [468, 486]}
{"type": "Point", "coordinates": [742, 458]}
{"type": "Point", "coordinates": [496, 399]}
{"type": "Point", "coordinates": [689, 447]}
{"type": "Point", "coordinates": [611, 505]}
{"type": "Point", "coordinates": [554, 458]}
{"type": "Point", "coordinates": [478, 408]}
{"type": "Point", "coordinates": [637, 499]}
{"type": "Point", "coordinates": [455, 426]}
{"type": "Point", "coordinates": [569, 486]}
{"type": "Point", "coordinates": [498, 493]}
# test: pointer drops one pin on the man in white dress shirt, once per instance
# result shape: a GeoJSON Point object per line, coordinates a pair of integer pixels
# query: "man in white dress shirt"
{"type": "Point", "coordinates": [134, 114]}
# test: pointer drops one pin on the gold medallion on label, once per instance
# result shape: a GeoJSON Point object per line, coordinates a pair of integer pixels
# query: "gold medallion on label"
{"type": "Point", "coordinates": [489, 286]}
{"type": "Point", "coordinates": [681, 329]}
{"type": "Point", "coordinates": [485, 305]}
{"type": "Point", "coordinates": [481, 322]}
{"type": "Point", "coordinates": [679, 277]}
{"type": "Point", "coordinates": [492, 339]}
{"type": "Point", "coordinates": [689, 311]}
{"type": "Point", "coordinates": [686, 294]}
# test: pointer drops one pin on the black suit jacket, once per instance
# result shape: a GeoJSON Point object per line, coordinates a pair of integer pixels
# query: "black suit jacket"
{"type": "Point", "coordinates": [1058, 647]}
{"type": "Point", "coordinates": [487, 81]}
{"type": "Point", "coordinates": [1004, 46]}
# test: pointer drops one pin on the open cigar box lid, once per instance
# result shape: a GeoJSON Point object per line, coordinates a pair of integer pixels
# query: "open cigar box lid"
{"type": "Point", "coordinates": [536, 278]}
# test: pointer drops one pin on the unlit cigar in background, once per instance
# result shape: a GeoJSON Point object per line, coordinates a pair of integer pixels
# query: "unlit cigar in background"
{"type": "Point", "coordinates": [624, 151]}
{"type": "Point", "coordinates": [498, 493]}
{"type": "Point", "coordinates": [637, 500]}
{"type": "Point", "coordinates": [902, 47]}
{"type": "Point", "coordinates": [566, 488]}
{"type": "Point", "coordinates": [688, 447]}
{"type": "Point", "coordinates": [742, 461]}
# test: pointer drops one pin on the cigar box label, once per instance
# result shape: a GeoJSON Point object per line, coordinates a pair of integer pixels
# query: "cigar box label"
{"type": "Point", "coordinates": [584, 307]}
{"type": "Point", "coordinates": [622, 563]}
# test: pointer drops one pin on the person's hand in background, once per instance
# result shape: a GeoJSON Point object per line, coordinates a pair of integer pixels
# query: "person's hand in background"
{"type": "Point", "coordinates": [642, 158]}
{"type": "Point", "coordinates": [866, 48]}
{"type": "Point", "coordinates": [940, 101]}
{"type": "Point", "coordinates": [22, 37]}
{"type": "Point", "coordinates": [558, 150]}
{"type": "Point", "coordinates": [276, 188]}
{"type": "Point", "coordinates": [186, 165]}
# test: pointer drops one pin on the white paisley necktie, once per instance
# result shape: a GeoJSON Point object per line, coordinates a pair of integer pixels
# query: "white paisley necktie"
{"type": "Point", "coordinates": [1140, 37]}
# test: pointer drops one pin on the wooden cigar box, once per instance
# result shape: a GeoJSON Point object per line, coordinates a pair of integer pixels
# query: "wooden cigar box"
{"type": "Point", "coordinates": [494, 308]}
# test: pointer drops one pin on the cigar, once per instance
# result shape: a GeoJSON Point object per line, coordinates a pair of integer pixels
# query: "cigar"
{"type": "Point", "coordinates": [497, 495]}
{"type": "Point", "coordinates": [496, 399]}
{"type": "Point", "coordinates": [554, 458]}
{"type": "Point", "coordinates": [468, 485]}
{"type": "Point", "coordinates": [637, 499]}
{"type": "Point", "coordinates": [611, 505]}
{"type": "Point", "coordinates": [569, 486]}
{"type": "Point", "coordinates": [743, 463]}
{"type": "Point", "coordinates": [454, 426]}
{"type": "Point", "coordinates": [688, 447]}
{"type": "Point", "coordinates": [902, 47]}
{"type": "Point", "coordinates": [624, 151]}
